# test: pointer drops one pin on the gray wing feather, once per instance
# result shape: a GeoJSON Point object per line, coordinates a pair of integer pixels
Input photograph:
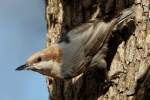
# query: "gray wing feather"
{"type": "Point", "coordinates": [85, 41]}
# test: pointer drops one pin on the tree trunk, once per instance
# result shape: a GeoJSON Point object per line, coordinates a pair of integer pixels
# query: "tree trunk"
{"type": "Point", "coordinates": [129, 51]}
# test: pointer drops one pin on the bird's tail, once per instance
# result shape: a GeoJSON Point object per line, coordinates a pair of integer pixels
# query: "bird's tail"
{"type": "Point", "coordinates": [124, 15]}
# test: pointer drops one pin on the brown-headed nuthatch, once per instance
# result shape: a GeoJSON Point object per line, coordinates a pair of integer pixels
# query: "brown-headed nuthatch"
{"type": "Point", "coordinates": [86, 46]}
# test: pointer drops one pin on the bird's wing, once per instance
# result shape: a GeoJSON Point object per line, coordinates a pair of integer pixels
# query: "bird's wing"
{"type": "Point", "coordinates": [86, 40]}
{"type": "Point", "coordinates": [100, 35]}
{"type": "Point", "coordinates": [79, 52]}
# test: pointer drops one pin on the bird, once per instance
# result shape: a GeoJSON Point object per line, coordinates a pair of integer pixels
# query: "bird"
{"type": "Point", "coordinates": [83, 46]}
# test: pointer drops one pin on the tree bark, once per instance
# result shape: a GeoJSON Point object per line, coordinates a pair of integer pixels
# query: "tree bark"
{"type": "Point", "coordinates": [129, 51]}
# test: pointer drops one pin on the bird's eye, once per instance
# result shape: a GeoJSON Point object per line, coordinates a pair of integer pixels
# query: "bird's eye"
{"type": "Point", "coordinates": [39, 59]}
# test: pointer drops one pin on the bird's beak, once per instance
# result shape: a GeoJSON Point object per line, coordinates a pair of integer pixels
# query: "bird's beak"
{"type": "Point", "coordinates": [22, 67]}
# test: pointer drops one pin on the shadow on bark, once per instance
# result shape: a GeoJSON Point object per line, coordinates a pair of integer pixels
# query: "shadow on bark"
{"type": "Point", "coordinates": [143, 88]}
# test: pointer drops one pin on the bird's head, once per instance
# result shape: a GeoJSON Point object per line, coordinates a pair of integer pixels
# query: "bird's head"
{"type": "Point", "coordinates": [43, 61]}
